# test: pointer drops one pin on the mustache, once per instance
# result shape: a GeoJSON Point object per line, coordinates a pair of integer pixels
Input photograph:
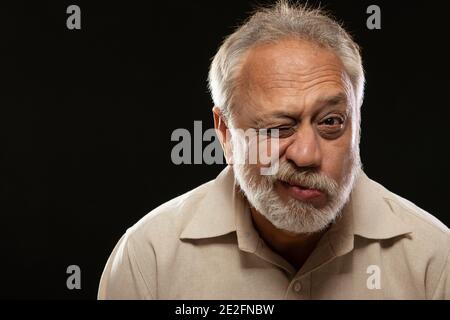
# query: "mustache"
{"type": "Point", "coordinates": [307, 178]}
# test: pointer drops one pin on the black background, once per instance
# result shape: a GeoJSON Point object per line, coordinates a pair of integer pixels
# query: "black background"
{"type": "Point", "coordinates": [87, 115]}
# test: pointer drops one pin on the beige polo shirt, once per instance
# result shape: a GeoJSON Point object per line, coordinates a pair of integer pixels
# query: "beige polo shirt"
{"type": "Point", "coordinates": [202, 245]}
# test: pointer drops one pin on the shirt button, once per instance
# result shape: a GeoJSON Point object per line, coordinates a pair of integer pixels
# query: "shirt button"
{"type": "Point", "coordinates": [297, 286]}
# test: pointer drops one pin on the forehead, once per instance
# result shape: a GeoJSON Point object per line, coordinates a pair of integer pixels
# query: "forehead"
{"type": "Point", "coordinates": [290, 71]}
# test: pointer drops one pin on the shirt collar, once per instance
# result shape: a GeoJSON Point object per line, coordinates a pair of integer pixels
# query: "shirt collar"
{"type": "Point", "coordinates": [223, 210]}
{"type": "Point", "coordinates": [372, 212]}
{"type": "Point", "coordinates": [215, 212]}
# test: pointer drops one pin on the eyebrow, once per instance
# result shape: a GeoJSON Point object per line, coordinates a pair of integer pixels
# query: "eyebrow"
{"type": "Point", "coordinates": [332, 100]}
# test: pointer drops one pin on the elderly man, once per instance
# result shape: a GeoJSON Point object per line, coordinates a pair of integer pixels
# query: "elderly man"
{"type": "Point", "coordinates": [315, 228]}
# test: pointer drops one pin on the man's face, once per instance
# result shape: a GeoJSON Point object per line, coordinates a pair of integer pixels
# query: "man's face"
{"type": "Point", "coordinates": [303, 91]}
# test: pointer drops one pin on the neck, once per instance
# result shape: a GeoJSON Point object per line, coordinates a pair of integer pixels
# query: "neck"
{"type": "Point", "coordinates": [295, 248]}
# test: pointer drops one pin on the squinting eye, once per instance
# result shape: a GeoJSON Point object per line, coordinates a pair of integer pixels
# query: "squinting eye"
{"type": "Point", "coordinates": [277, 132]}
{"type": "Point", "coordinates": [281, 132]}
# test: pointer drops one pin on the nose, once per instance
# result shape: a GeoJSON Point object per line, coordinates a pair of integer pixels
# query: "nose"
{"type": "Point", "coordinates": [304, 150]}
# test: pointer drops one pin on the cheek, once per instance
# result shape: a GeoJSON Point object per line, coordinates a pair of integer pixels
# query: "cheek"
{"type": "Point", "coordinates": [266, 151]}
{"type": "Point", "coordinates": [337, 158]}
{"type": "Point", "coordinates": [282, 146]}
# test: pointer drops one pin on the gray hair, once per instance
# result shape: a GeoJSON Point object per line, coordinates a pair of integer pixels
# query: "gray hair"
{"type": "Point", "coordinates": [282, 20]}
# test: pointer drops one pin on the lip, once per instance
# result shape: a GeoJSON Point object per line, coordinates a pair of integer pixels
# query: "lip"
{"type": "Point", "coordinates": [302, 193]}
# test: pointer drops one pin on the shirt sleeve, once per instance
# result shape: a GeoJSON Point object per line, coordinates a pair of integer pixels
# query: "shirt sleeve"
{"type": "Point", "coordinates": [442, 291]}
{"type": "Point", "coordinates": [122, 278]}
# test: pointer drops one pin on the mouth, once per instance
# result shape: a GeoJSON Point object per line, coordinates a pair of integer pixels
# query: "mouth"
{"type": "Point", "coordinates": [300, 192]}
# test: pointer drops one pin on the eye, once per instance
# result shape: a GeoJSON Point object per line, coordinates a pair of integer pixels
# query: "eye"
{"type": "Point", "coordinates": [278, 132]}
{"type": "Point", "coordinates": [333, 121]}
{"type": "Point", "coordinates": [331, 126]}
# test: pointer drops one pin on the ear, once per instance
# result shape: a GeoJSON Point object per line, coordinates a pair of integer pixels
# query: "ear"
{"type": "Point", "coordinates": [223, 134]}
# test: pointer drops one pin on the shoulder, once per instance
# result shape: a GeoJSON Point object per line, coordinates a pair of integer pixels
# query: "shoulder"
{"type": "Point", "coordinates": [168, 220]}
{"type": "Point", "coordinates": [423, 223]}
{"type": "Point", "coordinates": [417, 244]}
{"type": "Point", "coordinates": [132, 267]}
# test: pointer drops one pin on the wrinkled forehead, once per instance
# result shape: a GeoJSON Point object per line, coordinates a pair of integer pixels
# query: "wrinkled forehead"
{"type": "Point", "coordinates": [291, 69]}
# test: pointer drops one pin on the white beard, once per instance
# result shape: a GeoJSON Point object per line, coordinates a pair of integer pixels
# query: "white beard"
{"type": "Point", "coordinates": [294, 215]}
